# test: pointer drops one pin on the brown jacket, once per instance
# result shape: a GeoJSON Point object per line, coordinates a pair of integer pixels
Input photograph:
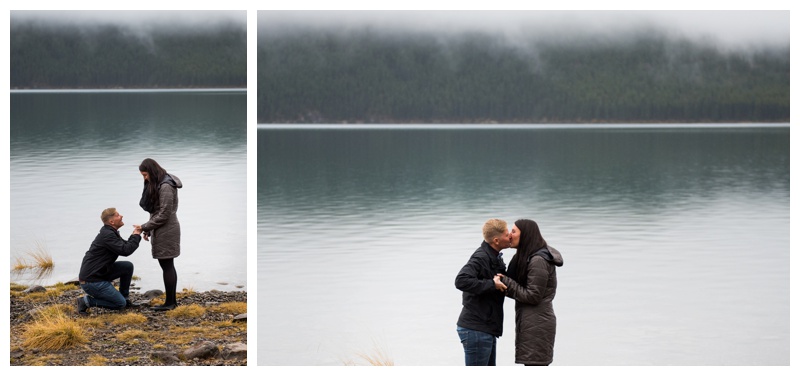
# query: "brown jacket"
{"type": "Point", "coordinates": [535, 319]}
{"type": "Point", "coordinates": [163, 226]}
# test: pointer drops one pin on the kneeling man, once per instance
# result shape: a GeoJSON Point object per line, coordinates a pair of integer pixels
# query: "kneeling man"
{"type": "Point", "coordinates": [100, 265]}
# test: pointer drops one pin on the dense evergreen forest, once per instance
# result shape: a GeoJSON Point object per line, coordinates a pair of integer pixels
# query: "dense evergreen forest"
{"type": "Point", "coordinates": [363, 75]}
{"type": "Point", "coordinates": [109, 56]}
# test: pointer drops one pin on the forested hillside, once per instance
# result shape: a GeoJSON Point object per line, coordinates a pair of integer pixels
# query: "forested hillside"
{"type": "Point", "coordinates": [109, 56]}
{"type": "Point", "coordinates": [314, 76]}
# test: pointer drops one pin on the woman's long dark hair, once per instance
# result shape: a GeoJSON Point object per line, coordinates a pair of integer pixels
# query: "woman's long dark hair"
{"type": "Point", "coordinates": [530, 241]}
{"type": "Point", "coordinates": [156, 174]}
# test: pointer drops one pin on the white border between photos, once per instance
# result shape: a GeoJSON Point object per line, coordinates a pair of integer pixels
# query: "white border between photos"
{"type": "Point", "coordinates": [252, 8]}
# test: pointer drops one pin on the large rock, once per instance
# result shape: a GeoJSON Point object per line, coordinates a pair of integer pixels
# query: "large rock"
{"type": "Point", "coordinates": [152, 294]}
{"type": "Point", "coordinates": [204, 350]}
{"type": "Point", "coordinates": [35, 288]}
{"type": "Point", "coordinates": [236, 350]}
{"type": "Point", "coordinates": [242, 317]}
{"type": "Point", "coordinates": [165, 356]}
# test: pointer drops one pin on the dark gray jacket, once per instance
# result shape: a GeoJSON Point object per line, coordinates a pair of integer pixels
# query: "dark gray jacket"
{"type": "Point", "coordinates": [535, 318]}
{"type": "Point", "coordinates": [482, 302]}
{"type": "Point", "coordinates": [163, 226]}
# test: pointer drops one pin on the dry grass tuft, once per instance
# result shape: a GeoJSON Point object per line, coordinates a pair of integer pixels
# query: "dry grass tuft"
{"type": "Point", "coordinates": [131, 334]}
{"type": "Point", "coordinates": [53, 333]}
{"type": "Point", "coordinates": [20, 264]}
{"type": "Point", "coordinates": [233, 308]}
{"type": "Point", "coordinates": [38, 297]}
{"type": "Point", "coordinates": [129, 359]}
{"type": "Point", "coordinates": [187, 291]}
{"type": "Point", "coordinates": [230, 325]}
{"type": "Point", "coordinates": [41, 259]}
{"type": "Point", "coordinates": [378, 357]}
{"type": "Point", "coordinates": [180, 335]}
{"type": "Point", "coordinates": [54, 310]}
{"type": "Point", "coordinates": [46, 360]}
{"type": "Point", "coordinates": [192, 310]}
{"type": "Point", "coordinates": [92, 321]}
{"type": "Point", "coordinates": [97, 360]}
{"type": "Point", "coordinates": [38, 257]}
{"type": "Point", "coordinates": [62, 287]}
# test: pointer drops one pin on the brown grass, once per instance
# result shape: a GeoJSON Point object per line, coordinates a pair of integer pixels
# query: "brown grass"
{"type": "Point", "coordinates": [97, 360]}
{"type": "Point", "coordinates": [54, 310]}
{"type": "Point", "coordinates": [132, 334]}
{"type": "Point", "coordinates": [46, 360]}
{"type": "Point", "coordinates": [189, 311]}
{"type": "Point", "coordinates": [38, 297]}
{"type": "Point", "coordinates": [129, 359]}
{"type": "Point", "coordinates": [378, 357]}
{"type": "Point", "coordinates": [38, 257]}
{"type": "Point", "coordinates": [233, 308]}
{"type": "Point", "coordinates": [187, 291]}
{"type": "Point", "coordinates": [53, 332]}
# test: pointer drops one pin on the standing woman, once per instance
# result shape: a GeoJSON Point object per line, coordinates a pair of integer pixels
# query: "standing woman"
{"type": "Point", "coordinates": [160, 199]}
{"type": "Point", "coordinates": [532, 282]}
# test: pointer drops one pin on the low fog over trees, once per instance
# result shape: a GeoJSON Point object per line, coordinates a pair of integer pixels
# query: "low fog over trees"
{"type": "Point", "coordinates": [47, 54]}
{"type": "Point", "coordinates": [308, 75]}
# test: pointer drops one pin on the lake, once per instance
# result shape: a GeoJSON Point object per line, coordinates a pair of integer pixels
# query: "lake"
{"type": "Point", "coordinates": [75, 153]}
{"type": "Point", "coordinates": [675, 239]}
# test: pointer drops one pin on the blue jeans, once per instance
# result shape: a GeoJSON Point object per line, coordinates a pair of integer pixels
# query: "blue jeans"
{"type": "Point", "coordinates": [480, 348]}
{"type": "Point", "coordinates": [103, 294]}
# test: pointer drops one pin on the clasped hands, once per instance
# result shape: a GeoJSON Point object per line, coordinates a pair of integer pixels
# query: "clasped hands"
{"type": "Point", "coordinates": [137, 229]}
{"type": "Point", "coordinates": [498, 284]}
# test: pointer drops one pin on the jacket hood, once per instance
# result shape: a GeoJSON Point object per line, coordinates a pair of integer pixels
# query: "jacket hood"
{"type": "Point", "coordinates": [551, 255]}
{"type": "Point", "coordinates": [172, 180]}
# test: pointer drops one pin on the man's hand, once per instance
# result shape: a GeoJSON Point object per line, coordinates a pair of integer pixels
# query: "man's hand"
{"type": "Point", "coordinates": [498, 284]}
{"type": "Point", "coordinates": [137, 229]}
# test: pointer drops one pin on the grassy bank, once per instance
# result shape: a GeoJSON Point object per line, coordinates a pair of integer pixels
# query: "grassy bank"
{"type": "Point", "coordinates": [46, 329]}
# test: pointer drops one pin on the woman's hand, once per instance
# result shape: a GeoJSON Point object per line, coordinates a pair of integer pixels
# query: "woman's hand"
{"type": "Point", "coordinates": [498, 284]}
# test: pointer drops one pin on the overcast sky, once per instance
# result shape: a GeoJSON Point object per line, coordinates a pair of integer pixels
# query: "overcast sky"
{"type": "Point", "coordinates": [134, 18]}
{"type": "Point", "coordinates": [733, 28]}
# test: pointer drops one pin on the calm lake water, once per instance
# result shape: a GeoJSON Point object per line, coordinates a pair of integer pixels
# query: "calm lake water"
{"type": "Point", "coordinates": [75, 153]}
{"type": "Point", "coordinates": [675, 240]}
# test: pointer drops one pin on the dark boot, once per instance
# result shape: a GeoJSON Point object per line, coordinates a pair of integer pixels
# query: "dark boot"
{"type": "Point", "coordinates": [81, 306]}
{"type": "Point", "coordinates": [165, 307]}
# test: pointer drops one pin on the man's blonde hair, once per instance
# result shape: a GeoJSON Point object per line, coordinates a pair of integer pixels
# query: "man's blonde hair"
{"type": "Point", "coordinates": [494, 228]}
{"type": "Point", "coordinates": [107, 214]}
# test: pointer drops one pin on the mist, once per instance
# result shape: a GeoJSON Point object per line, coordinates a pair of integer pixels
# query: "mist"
{"type": "Point", "coordinates": [725, 29]}
{"type": "Point", "coordinates": [136, 21]}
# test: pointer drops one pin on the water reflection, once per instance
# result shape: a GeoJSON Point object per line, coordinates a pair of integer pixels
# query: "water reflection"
{"type": "Point", "coordinates": [75, 153]}
{"type": "Point", "coordinates": [657, 227]}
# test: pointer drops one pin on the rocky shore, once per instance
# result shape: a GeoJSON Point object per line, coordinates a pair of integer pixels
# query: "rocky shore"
{"type": "Point", "coordinates": [137, 336]}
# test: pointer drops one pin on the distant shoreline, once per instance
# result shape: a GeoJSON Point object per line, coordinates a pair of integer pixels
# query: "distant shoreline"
{"type": "Point", "coordinates": [562, 125]}
{"type": "Point", "coordinates": [13, 89]}
{"type": "Point", "coordinates": [131, 90]}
